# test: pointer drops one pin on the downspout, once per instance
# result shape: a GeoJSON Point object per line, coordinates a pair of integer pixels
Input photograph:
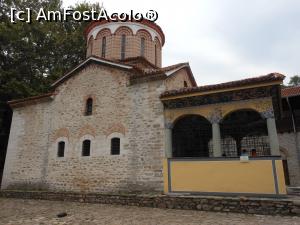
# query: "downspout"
{"type": "Point", "coordinates": [292, 113]}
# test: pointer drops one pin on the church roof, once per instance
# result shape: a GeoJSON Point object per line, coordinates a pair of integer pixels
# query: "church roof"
{"type": "Point", "coordinates": [233, 84]}
{"type": "Point", "coordinates": [139, 67]}
{"type": "Point", "coordinates": [86, 62]}
{"type": "Point", "coordinates": [290, 91]}
{"type": "Point", "coordinates": [146, 22]}
{"type": "Point", "coordinates": [31, 100]}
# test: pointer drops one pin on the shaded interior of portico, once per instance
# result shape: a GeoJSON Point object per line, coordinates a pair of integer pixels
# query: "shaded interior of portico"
{"type": "Point", "coordinates": [190, 137]}
{"type": "Point", "coordinates": [240, 130]}
{"type": "Point", "coordinates": [244, 130]}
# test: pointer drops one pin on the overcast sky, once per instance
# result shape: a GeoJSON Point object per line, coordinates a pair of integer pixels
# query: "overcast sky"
{"type": "Point", "coordinates": [225, 40]}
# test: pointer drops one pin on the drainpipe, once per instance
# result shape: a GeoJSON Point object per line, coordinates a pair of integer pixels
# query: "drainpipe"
{"type": "Point", "coordinates": [292, 113]}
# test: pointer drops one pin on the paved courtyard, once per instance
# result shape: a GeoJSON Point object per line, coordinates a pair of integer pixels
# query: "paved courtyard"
{"type": "Point", "coordinates": [38, 212]}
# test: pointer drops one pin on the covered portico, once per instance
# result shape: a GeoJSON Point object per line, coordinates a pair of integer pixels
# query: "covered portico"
{"type": "Point", "coordinates": [219, 123]}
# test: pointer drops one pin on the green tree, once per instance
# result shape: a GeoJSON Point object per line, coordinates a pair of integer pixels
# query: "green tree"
{"type": "Point", "coordinates": [33, 55]}
{"type": "Point", "coordinates": [294, 80]}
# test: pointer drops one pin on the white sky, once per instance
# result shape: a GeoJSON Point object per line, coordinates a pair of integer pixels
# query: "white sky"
{"type": "Point", "coordinates": [225, 40]}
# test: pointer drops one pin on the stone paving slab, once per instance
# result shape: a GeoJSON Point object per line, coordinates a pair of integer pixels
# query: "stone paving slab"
{"type": "Point", "coordinates": [43, 212]}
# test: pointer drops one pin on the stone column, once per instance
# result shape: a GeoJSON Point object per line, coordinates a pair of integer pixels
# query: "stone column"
{"type": "Point", "coordinates": [215, 118]}
{"type": "Point", "coordinates": [272, 131]}
{"type": "Point", "coordinates": [168, 140]}
{"type": "Point", "coordinates": [217, 151]}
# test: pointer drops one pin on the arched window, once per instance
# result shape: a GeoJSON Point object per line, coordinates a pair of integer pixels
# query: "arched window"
{"type": "Point", "coordinates": [115, 146]}
{"type": "Point", "coordinates": [61, 149]}
{"type": "Point", "coordinates": [155, 54]}
{"type": "Point", "coordinates": [86, 148]}
{"type": "Point", "coordinates": [185, 84]}
{"type": "Point", "coordinates": [103, 47]}
{"type": "Point", "coordinates": [142, 46]}
{"type": "Point", "coordinates": [123, 42]}
{"type": "Point", "coordinates": [89, 107]}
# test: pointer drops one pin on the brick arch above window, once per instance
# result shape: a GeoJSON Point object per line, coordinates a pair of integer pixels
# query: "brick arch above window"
{"type": "Point", "coordinates": [60, 133]}
{"type": "Point", "coordinates": [103, 33]}
{"type": "Point", "coordinates": [123, 30]}
{"type": "Point", "coordinates": [115, 128]}
{"type": "Point", "coordinates": [157, 42]}
{"type": "Point", "coordinates": [87, 130]}
{"type": "Point", "coordinates": [142, 33]}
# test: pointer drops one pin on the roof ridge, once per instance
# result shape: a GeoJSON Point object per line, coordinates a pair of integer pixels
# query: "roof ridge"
{"type": "Point", "coordinates": [258, 79]}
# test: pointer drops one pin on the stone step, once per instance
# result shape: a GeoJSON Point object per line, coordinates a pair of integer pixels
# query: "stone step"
{"type": "Point", "coordinates": [252, 205]}
{"type": "Point", "coordinates": [293, 191]}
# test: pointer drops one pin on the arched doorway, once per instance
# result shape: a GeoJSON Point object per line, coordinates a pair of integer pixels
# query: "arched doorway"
{"type": "Point", "coordinates": [190, 137]}
{"type": "Point", "coordinates": [247, 130]}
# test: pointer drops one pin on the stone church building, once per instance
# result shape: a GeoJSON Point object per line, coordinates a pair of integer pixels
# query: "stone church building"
{"type": "Point", "coordinates": [120, 122]}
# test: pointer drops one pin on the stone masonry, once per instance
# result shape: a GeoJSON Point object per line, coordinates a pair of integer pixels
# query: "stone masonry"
{"type": "Point", "coordinates": [133, 113]}
{"type": "Point", "coordinates": [288, 141]}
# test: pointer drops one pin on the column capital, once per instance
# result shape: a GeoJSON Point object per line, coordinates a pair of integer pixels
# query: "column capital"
{"type": "Point", "coordinates": [169, 125]}
{"type": "Point", "coordinates": [268, 113]}
{"type": "Point", "coordinates": [215, 116]}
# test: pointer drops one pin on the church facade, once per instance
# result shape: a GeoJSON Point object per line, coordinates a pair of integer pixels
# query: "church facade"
{"type": "Point", "coordinates": [120, 122]}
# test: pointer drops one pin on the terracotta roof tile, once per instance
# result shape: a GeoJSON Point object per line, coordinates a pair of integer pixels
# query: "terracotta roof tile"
{"type": "Point", "coordinates": [232, 84]}
{"type": "Point", "coordinates": [24, 101]}
{"type": "Point", "coordinates": [290, 91]}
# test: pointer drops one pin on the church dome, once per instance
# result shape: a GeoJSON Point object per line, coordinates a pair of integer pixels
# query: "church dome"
{"type": "Point", "coordinates": [123, 40]}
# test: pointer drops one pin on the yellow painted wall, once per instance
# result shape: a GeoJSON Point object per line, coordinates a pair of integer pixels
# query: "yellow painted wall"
{"type": "Point", "coordinates": [280, 176]}
{"type": "Point", "coordinates": [255, 176]}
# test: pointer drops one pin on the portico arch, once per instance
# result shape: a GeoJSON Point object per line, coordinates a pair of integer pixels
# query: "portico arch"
{"type": "Point", "coordinates": [190, 137]}
{"type": "Point", "coordinates": [248, 131]}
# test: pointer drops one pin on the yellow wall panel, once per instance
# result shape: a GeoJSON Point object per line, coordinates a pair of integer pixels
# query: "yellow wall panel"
{"type": "Point", "coordinates": [255, 176]}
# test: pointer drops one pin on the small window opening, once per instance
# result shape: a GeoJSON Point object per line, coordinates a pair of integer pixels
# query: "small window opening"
{"type": "Point", "coordinates": [103, 47]}
{"type": "Point", "coordinates": [155, 54]}
{"type": "Point", "coordinates": [115, 146]}
{"type": "Point", "coordinates": [142, 46]}
{"type": "Point", "coordinates": [123, 42]}
{"type": "Point", "coordinates": [86, 148]}
{"type": "Point", "coordinates": [61, 149]}
{"type": "Point", "coordinates": [89, 107]}
{"type": "Point", "coordinates": [185, 84]}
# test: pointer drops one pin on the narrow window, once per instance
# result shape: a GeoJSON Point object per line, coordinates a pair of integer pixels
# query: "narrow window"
{"type": "Point", "coordinates": [155, 54]}
{"type": "Point", "coordinates": [185, 84]}
{"type": "Point", "coordinates": [86, 148]}
{"type": "Point", "coordinates": [115, 146]}
{"type": "Point", "coordinates": [103, 47]}
{"type": "Point", "coordinates": [89, 107]}
{"type": "Point", "coordinates": [61, 149]}
{"type": "Point", "coordinates": [123, 41]}
{"type": "Point", "coordinates": [142, 46]}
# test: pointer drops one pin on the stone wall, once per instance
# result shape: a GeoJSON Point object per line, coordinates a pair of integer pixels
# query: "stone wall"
{"type": "Point", "coordinates": [290, 150]}
{"type": "Point", "coordinates": [264, 206]}
{"type": "Point", "coordinates": [176, 80]}
{"type": "Point", "coordinates": [132, 113]}
{"type": "Point", "coordinates": [28, 143]}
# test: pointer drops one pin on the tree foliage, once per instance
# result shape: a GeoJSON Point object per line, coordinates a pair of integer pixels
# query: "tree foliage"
{"type": "Point", "coordinates": [294, 81]}
{"type": "Point", "coordinates": [33, 55]}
